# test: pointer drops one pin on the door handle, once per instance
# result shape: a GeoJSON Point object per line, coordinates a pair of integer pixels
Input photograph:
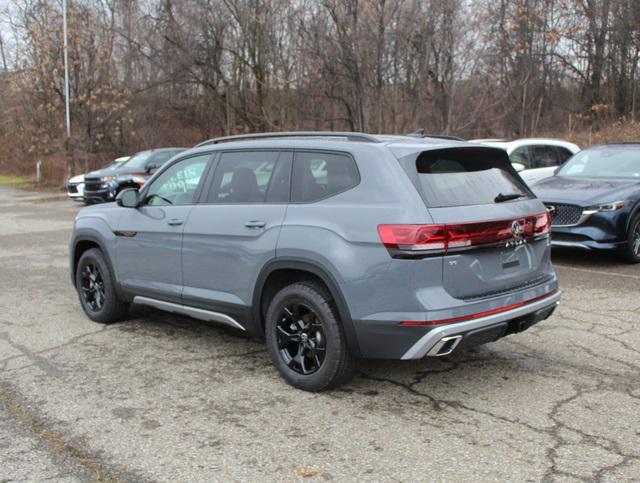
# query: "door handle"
{"type": "Point", "coordinates": [255, 224]}
{"type": "Point", "coordinates": [175, 222]}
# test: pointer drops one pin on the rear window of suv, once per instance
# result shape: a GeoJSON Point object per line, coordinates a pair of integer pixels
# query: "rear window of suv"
{"type": "Point", "coordinates": [463, 176]}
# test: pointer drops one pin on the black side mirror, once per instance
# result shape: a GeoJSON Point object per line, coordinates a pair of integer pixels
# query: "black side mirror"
{"type": "Point", "coordinates": [128, 198]}
{"type": "Point", "coordinates": [151, 167]}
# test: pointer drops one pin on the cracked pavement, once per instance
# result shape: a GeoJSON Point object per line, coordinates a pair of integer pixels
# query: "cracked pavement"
{"type": "Point", "coordinates": [163, 397]}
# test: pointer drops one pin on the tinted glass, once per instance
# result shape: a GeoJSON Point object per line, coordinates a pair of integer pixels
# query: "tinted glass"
{"type": "Point", "coordinates": [616, 161]}
{"type": "Point", "coordinates": [141, 160]}
{"type": "Point", "coordinates": [158, 159]}
{"type": "Point", "coordinates": [246, 176]}
{"type": "Point", "coordinates": [318, 175]}
{"type": "Point", "coordinates": [563, 154]}
{"type": "Point", "coordinates": [178, 184]}
{"type": "Point", "coordinates": [543, 156]}
{"type": "Point", "coordinates": [521, 155]}
{"type": "Point", "coordinates": [138, 160]}
{"type": "Point", "coordinates": [461, 177]}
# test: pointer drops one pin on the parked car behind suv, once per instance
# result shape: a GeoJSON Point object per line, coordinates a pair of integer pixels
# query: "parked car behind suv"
{"type": "Point", "coordinates": [332, 246]}
{"type": "Point", "coordinates": [104, 185]}
{"type": "Point", "coordinates": [594, 200]}
{"type": "Point", "coordinates": [75, 185]}
{"type": "Point", "coordinates": [534, 158]}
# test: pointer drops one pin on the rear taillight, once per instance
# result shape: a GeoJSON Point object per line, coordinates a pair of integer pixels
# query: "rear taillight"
{"type": "Point", "coordinates": [413, 237]}
{"type": "Point", "coordinates": [542, 223]}
{"type": "Point", "coordinates": [443, 238]}
{"type": "Point", "coordinates": [472, 234]}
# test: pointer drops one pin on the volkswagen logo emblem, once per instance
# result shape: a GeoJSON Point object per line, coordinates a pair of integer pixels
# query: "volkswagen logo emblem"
{"type": "Point", "coordinates": [516, 230]}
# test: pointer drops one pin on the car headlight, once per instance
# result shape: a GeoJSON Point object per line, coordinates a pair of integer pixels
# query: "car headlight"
{"type": "Point", "coordinates": [612, 206]}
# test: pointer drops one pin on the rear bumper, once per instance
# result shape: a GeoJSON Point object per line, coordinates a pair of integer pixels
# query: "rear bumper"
{"type": "Point", "coordinates": [482, 330]}
{"type": "Point", "coordinates": [391, 340]}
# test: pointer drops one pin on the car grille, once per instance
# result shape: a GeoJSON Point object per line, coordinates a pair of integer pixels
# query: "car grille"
{"type": "Point", "coordinates": [563, 215]}
{"type": "Point", "coordinates": [92, 184]}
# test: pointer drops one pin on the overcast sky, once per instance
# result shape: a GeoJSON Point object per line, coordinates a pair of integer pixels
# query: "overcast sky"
{"type": "Point", "coordinates": [6, 9]}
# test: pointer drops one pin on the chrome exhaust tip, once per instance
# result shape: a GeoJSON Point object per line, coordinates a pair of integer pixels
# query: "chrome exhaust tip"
{"type": "Point", "coordinates": [445, 346]}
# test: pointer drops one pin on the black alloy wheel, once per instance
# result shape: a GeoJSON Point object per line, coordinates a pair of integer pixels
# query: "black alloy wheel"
{"type": "Point", "coordinates": [301, 339]}
{"type": "Point", "coordinates": [306, 339]}
{"type": "Point", "coordinates": [96, 288]}
{"type": "Point", "coordinates": [92, 287]}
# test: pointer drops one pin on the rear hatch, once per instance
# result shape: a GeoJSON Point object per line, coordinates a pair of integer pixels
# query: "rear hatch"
{"type": "Point", "coordinates": [491, 231]}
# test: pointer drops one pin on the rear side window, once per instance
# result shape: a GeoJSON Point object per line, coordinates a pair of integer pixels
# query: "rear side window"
{"type": "Point", "coordinates": [563, 154]}
{"type": "Point", "coordinates": [463, 176]}
{"type": "Point", "coordinates": [521, 155]}
{"type": "Point", "coordinates": [159, 159]}
{"type": "Point", "coordinates": [544, 156]}
{"type": "Point", "coordinates": [251, 177]}
{"type": "Point", "coordinates": [319, 175]}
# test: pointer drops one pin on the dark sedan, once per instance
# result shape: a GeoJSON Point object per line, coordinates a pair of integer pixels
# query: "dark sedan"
{"type": "Point", "coordinates": [594, 200]}
{"type": "Point", "coordinates": [103, 186]}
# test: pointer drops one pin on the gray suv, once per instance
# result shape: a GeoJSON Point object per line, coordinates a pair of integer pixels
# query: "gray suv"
{"type": "Point", "coordinates": [332, 246]}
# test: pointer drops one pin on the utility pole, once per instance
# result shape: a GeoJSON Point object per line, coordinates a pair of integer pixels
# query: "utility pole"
{"type": "Point", "coordinates": [66, 68]}
{"type": "Point", "coordinates": [69, 158]}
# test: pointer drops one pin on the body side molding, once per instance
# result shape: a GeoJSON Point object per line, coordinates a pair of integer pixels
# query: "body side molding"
{"type": "Point", "coordinates": [201, 314]}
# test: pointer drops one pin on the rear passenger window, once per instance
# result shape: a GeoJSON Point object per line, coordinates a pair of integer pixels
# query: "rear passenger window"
{"type": "Point", "coordinates": [251, 177]}
{"type": "Point", "coordinates": [543, 156]}
{"type": "Point", "coordinates": [318, 175]}
{"type": "Point", "coordinates": [521, 155]}
{"type": "Point", "coordinates": [563, 154]}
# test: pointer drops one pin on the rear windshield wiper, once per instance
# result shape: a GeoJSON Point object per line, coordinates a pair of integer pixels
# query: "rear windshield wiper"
{"type": "Point", "coordinates": [501, 198]}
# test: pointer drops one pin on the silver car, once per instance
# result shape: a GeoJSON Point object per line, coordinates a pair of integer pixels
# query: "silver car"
{"type": "Point", "coordinates": [331, 246]}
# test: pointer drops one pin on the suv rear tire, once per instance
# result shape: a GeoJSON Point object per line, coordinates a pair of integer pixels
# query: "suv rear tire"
{"type": "Point", "coordinates": [96, 289]}
{"type": "Point", "coordinates": [306, 340]}
{"type": "Point", "coordinates": [631, 250]}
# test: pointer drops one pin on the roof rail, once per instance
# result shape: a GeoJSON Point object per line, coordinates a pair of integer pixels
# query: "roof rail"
{"type": "Point", "coordinates": [349, 136]}
{"type": "Point", "coordinates": [421, 133]}
{"type": "Point", "coordinates": [442, 136]}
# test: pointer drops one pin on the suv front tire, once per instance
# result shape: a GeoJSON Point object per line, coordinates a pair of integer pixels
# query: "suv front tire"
{"type": "Point", "coordinates": [306, 340]}
{"type": "Point", "coordinates": [96, 289]}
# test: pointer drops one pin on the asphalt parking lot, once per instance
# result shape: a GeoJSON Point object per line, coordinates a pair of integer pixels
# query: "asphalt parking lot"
{"type": "Point", "coordinates": [162, 397]}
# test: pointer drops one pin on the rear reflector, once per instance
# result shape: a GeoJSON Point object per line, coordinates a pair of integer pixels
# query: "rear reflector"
{"type": "Point", "coordinates": [461, 235]}
{"type": "Point", "coordinates": [486, 313]}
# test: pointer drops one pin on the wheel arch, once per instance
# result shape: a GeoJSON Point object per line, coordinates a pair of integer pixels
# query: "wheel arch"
{"type": "Point", "coordinates": [316, 271]}
{"type": "Point", "coordinates": [83, 243]}
{"type": "Point", "coordinates": [635, 211]}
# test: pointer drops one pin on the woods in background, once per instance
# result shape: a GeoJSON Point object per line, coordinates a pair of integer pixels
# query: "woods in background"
{"type": "Point", "coordinates": [165, 72]}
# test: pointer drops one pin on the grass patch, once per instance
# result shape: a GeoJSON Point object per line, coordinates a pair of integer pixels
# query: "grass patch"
{"type": "Point", "coordinates": [17, 181]}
